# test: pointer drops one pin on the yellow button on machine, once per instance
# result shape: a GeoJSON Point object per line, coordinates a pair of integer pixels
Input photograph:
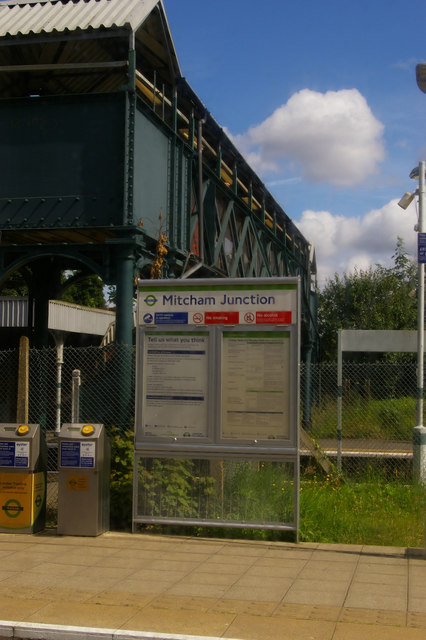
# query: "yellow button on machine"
{"type": "Point", "coordinates": [22, 430]}
{"type": "Point", "coordinates": [87, 430]}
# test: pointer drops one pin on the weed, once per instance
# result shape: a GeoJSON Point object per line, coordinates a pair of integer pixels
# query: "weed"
{"type": "Point", "coordinates": [121, 487]}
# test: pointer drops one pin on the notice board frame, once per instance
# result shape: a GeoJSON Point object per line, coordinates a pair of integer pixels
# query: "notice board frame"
{"type": "Point", "coordinates": [279, 324]}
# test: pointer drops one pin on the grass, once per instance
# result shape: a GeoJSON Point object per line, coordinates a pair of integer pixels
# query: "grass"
{"type": "Point", "coordinates": [370, 511]}
{"type": "Point", "coordinates": [389, 418]}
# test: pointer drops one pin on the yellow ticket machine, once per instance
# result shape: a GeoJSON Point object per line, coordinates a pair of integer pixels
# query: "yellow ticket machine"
{"type": "Point", "coordinates": [22, 478]}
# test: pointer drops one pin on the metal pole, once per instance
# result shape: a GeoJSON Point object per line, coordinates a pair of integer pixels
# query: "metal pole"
{"type": "Point", "coordinates": [200, 190]}
{"type": "Point", "coordinates": [420, 310]}
{"type": "Point", "coordinates": [339, 399]}
{"type": "Point", "coordinates": [59, 362]}
{"type": "Point", "coordinates": [419, 431]}
{"type": "Point", "coordinates": [75, 396]}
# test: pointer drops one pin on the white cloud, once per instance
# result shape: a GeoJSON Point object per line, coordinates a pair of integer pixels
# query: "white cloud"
{"type": "Point", "coordinates": [332, 137]}
{"type": "Point", "coordinates": [343, 244]}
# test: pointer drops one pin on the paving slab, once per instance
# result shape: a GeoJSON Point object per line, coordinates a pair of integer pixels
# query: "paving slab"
{"type": "Point", "coordinates": [253, 628]}
{"type": "Point", "coordinates": [347, 631]}
{"type": "Point", "coordinates": [154, 585]}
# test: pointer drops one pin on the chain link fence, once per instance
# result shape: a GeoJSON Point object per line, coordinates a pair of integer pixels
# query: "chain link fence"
{"type": "Point", "coordinates": [106, 393]}
{"type": "Point", "coordinates": [378, 406]}
{"type": "Point", "coordinates": [377, 417]}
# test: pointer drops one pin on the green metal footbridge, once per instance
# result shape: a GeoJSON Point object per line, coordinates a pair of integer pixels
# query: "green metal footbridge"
{"type": "Point", "coordinates": [111, 164]}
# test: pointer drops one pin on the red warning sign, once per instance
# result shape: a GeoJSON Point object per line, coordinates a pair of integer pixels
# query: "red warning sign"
{"type": "Point", "coordinates": [221, 317]}
{"type": "Point", "coordinates": [197, 318]}
{"type": "Point", "coordinates": [273, 317]}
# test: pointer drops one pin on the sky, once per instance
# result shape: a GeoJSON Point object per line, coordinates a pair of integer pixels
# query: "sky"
{"type": "Point", "coordinates": [321, 99]}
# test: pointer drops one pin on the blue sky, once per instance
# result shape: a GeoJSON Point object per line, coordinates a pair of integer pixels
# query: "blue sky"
{"type": "Point", "coordinates": [321, 98]}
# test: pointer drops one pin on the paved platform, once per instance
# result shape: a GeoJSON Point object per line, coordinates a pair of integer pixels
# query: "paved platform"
{"type": "Point", "coordinates": [158, 585]}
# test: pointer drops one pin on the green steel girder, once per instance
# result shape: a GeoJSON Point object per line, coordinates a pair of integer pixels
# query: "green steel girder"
{"type": "Point", "coordinates": [160, 171]}
{"type": "Point", "coordinates": [250, 236]}
{"type": "Point", "coordinates": [99, 258]}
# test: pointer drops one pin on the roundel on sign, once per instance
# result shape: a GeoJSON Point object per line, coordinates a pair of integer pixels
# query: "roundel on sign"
{"type": "Point", "coordinates": [150, 300]}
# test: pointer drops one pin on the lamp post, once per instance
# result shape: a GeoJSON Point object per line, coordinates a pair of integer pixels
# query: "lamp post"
{"type": "Point", "coordinates": [419, 173]}
{"type": "Point", "coordinates": [419, 431]}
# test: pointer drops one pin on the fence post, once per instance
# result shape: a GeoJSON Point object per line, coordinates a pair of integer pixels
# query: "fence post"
{"type": "Point", "coordinates": [419, 454]}
{"type": "Point", "coordinates": [339, 399]}
{"type": "Point", "coordinates": [23, 377]}
{"type": "Point", "coordinates": [59, 341]}
{"type": "Point", "coordinates": [75, 396]}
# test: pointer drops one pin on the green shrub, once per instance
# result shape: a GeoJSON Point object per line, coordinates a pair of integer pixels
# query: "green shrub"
{"type": "Point", "coordinates": [121, 486]}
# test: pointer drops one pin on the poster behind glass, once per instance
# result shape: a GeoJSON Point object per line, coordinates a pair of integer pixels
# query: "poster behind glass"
{"type": "Point", "coordinates": [175, 389]}
{"type": "Point", "coordinates": [255, 385]}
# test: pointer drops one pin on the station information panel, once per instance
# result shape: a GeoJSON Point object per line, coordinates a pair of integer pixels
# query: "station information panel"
{"type": "Point", "coordinates": [217, 377]}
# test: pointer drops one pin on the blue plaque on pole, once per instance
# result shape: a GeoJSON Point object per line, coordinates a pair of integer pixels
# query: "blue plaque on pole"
{"type": "Point", "coordinates": [421, 247]}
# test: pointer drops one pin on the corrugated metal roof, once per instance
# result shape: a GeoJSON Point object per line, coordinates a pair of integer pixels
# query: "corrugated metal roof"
{"type": "Point", "coordinates": [13, 312]}
{"type": "Point", "coordinates": [45, 16]}
{"type": "Point", "coordinates": [63, 316]}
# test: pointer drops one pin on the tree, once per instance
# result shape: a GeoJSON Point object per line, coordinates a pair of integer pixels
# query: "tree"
{"type": "Point", "coordinates": [16, 284]}
{"type": "Point", "coordinates": [79, 287]}
{"type": "Point", "coordinates": [84, 289]}
{"type": "Point", "coordinates": [378, 298]}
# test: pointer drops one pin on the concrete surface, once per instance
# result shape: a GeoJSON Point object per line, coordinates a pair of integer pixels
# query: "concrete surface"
{"type": "Point", "coordinates": [132, 586]}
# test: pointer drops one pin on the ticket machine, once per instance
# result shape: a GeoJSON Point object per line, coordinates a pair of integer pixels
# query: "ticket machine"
{"type": "Point", "coordinates": [83, 479]}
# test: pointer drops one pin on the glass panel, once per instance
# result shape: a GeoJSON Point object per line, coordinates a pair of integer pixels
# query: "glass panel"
{"type": "Point", "coordinates": [216, 492]}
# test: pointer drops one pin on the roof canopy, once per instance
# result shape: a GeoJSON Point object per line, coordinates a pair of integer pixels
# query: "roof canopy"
{"type": "Point", "coordinates": [85, 40]}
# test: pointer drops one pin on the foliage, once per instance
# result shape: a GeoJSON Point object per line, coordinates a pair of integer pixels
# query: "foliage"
{"type": "Point", "coordinates": [111, 295]}
{"type": "Point", "coordinates": [16, 284]}
{"type": "Point", "coordinates": [78, 287]}
{"type": "Point", "coordinates": [386, 418]}
{"type": "Point", "coordinates": [375, 509]}
{"type": "Point", "coordinates": [372, 511]}
{"type": "Point", "coordinates": [258, 490]}
{"type": "Point", "coordinates": [172, 487]}
{"type": "Point", "coordinates": [378, 298]}
{"type": "Point", "coordinates": [81, 288]}
{"type": "Point", "coordinates": [121, 486]}
{"type": "Point", "coordinates": [160, 255]}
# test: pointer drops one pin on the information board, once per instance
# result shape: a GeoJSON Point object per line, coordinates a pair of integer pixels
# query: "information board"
{"type": "Point", "coordinates": [80, 455]}
{"type": "Point", "coordinates": [255, 385]}
{"type": "Point", "coordinates": [421, 248]}
{"type": "Point", "coordinates": [175, 393]}
{"type": "Point", "coordinates": [217, 399]}
{"type": "Point", "coordinates": [14, 454]}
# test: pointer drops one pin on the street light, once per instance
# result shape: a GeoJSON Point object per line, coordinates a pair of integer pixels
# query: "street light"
{"type": "Point", "coordinates": [419, 431]}
{"type": "Point", "coordinates": [421, 76]}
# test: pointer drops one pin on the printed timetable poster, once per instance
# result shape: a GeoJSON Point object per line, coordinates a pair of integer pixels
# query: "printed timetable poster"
{"type": "Point", "coordinates": [175, 389]}
{"type": "Point", "coordinates": [256, 385]}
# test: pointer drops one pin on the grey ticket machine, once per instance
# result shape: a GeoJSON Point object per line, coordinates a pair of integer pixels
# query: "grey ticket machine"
{"type": "Point", "coordinates": [83, 481]}
{"type": "Point", "coordinates": [23, 460]}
